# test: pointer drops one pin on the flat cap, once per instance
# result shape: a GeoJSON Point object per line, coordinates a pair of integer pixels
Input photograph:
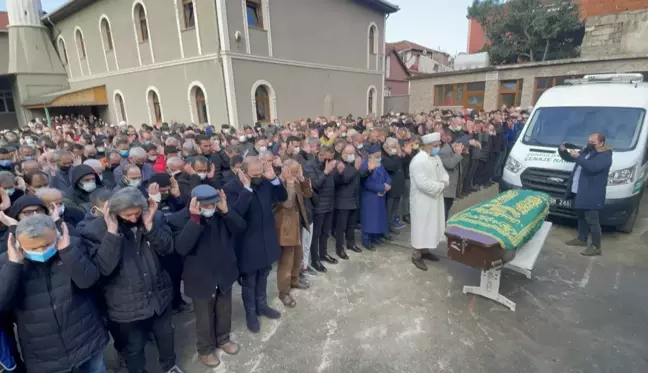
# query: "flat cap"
{"type": "Point", "coordinates": [205, 194]}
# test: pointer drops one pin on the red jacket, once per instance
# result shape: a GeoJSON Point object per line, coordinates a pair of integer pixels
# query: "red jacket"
{"type": "Point", "coordinates": [160, 164]}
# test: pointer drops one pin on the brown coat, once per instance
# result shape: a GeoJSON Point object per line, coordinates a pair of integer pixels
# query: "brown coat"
{"type": "Point", "coordinates": [287, 214]}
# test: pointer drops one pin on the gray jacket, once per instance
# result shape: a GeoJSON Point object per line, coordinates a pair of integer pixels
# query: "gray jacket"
{"type": "Point", "coordinates": [452, 163]}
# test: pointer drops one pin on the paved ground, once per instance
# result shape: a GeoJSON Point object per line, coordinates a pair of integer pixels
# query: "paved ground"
{"type": "Point", "coordinates": [378, 313]}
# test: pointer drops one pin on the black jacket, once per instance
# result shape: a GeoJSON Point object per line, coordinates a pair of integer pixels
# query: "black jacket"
{"type": "Point", "coordinates": [348, 186]}
{"type": "Point", "coordinates": [75, 196]}
{"type": "Point", "coordinates": [210, 259]}
{"type": "Point", "coordinates": [323, 186]}
{"type": "Point", "coordinates": [395, 167]}
{"type": "Point", "coordinates": [135, 286]}
{"type": "Point", "coordinates": [257, 247]}
{"type": "Point", "coordinates": [187, 183]}
{"type": "Point", "coordinates": [59, 324]}
{"type": "Point", "coordinates": [221, 162]}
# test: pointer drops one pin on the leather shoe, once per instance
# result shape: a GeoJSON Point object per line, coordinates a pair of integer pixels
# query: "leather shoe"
{"type": "Point", "coordinates": [420, 264]}
{"type": "Point", "coordinates": [301, 285]}
{"type": "Point", "coordinates": [230, 348]}
{"type": "Point", "coordinates": [342, 255]}
{"type": "Point", "coordinates": [369, 246]}
{"type": "Point", "coordinates": [429, 256]}
{"type": "Point", "coordinates": [210, 360]}
{"type": "Point", "coordinates": [329, 259]}
{"type": "Point", "coordinates": [354, 248]}
{"type": "Point", "coordinates": [319, 267]}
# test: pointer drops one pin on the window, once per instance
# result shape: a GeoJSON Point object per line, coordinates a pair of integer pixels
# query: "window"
{"type": "Point", "coordinates": [371, 101]}
{"type": "Point", "coordinates": [254, 14]}
{"type": "Point", "coordinates": [188, 9]}
{"type": "Point", "coordinates": [201, 105]}
{"type": "Point", "coordinates": [142, 22]}
{"type": "Point", "coordinates": [6, 102]}
{"type": "Point", "coordinates": [262, 100]}
{"type": "Point", "coordinates": [105, 27]}
{"type": "Point", "coordinates": [372, 40]}
{"type": "Point", "coordinates": [510, 93]}
{"type": "Point", "coordinates": [80, 44]}
{"type": "Point", "coordinates": [154, 102]}
{"type": "Point", "coordinates": [468, 95]}
{"type": "Point", "coordinates": [542, 84]}
{"type": "Point", "coordinates": [119, 101]}
{"type": "Point", "coordinates": [62, 51]}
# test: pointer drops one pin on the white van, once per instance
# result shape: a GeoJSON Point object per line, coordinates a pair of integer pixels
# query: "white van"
{"type": "Point", "coordinates": [613, 104]}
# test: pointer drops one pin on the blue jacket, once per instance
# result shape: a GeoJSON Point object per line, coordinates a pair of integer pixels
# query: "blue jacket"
{"type": "Point", "coordinates": [257, 247]}
{"type": "Point", "coordinates": [373, 208]}
{"type": "Point", "coordinates": [593, 178]}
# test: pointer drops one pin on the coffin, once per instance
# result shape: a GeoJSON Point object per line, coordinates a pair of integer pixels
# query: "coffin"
{"type": "Point", "coordinates": [487, 235]}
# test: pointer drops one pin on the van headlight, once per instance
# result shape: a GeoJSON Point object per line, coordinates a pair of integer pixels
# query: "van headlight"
{"type": "Point", "coordinates": [622, 177]}
{"type": "Point", "coordinates": [513, 165]}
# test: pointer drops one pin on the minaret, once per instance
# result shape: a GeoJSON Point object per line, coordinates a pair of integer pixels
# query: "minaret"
{"type": "Point", "coordinates": [33, 61]}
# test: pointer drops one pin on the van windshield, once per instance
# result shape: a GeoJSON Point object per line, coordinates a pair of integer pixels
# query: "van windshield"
{"type": "Point", "coordinates": [552, 126]}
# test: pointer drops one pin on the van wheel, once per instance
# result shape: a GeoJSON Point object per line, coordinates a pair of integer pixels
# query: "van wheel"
{"type": "Point", "coordinates": [628, 226]}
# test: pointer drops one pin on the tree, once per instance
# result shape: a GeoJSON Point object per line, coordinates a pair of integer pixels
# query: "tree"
{"type": "Point", "coordinates": [529, 30]}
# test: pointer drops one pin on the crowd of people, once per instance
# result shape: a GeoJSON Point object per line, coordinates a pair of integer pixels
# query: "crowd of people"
{"type": "Point", "coordinates": [102, 223]}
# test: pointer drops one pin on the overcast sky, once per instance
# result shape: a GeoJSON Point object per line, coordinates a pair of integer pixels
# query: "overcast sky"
{"type": "Point", "coordinates": [437, 24]}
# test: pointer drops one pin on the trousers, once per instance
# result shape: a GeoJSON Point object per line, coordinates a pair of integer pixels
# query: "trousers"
{"type": "Point", "coordinates": [344, 228]}
{"type": "Point", "coordinates": [306, 238]}
{"type": "Point", "coordinates": [289, 267]}
{"type": "Point", "coordinates": [447, 204]}
{"type": "Point", "coordinates": [321, 228]}
{"type": "Point", "coordinates": [392, 209]}
{"type": "Point", "coordinates": [94, 365]}
{"type": "Point", "coordinates": [213, 320]}
{"type": "Point", "coordinates": [589, 224]}
{"type": "Point", "coordinates": [173, 265]}
{"type": "Point", "coordinates": [134, 335]}
{"type": "Point", "coordinates": [405, 203]}
{"type": "Point", "coordinates": [254, 291]}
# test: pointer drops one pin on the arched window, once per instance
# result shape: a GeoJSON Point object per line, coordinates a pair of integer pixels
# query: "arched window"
{"type": "Point", "coordinates": [188, 11]}
{"type": "Point", "coordinates": [107, 34]}
{"type": "Point", "coordinates": [154, 106]}
{"type": "Point", "coordinates": [372, 103]}
{"type": "Point", "coordinates": [80, 44]}
{"type": "Point", "coordinates": [62, 51]}
{"type": "Point", "coordinates": [142, 23]}
{"type": "Point", "coordinates": [121, 108]}
{"type": "Point", "coordinates": [201, 105]}
{"type": "Point", "coordinates": [262, 99]}
{"type": "Point", "coordinates": [372, 40]}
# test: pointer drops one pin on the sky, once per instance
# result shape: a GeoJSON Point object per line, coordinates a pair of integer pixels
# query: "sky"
{"type": "Point", "coordinates": [436, 24]}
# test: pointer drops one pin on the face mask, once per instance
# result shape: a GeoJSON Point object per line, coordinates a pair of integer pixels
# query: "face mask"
{"type": "Point", "coordinates": [29, 142]}
{"type": "Point", "coordinates": [393, 151]}
{"type": "Point", "coordinates": [359, 146]}
{"type": "Point", "coordinates": [10, 192]}
{"type": "Point", "coordinates": [262, 149]}
{"type": "Point", "coordinates": [350, 158]}
{"type": "Point", "coordinates": [590, 147]}
{"type": "Point", "coordinates": [123, 153]}
{"type": "Point", "coordinates": [175, 173]}
{"type": "Point", "coordinates": [89, 186]}
{"type": "Point", "coordinates": [29, 157]}
{"type": "Point", "coordinates": [153, 158]}
{"type": "Point", "coordinates": [101, 150]}
{"type": "Point", "coordinates": [379, 160]}
{"type": "Point", "coordinates": [61, 210]}
{"type": "Point", "coordinates": [5, 163]}
{"type": "Point", "coordinates": [41, 257]}
{"type": "Point", "coordinates": [156, 197]}
{"type": "Point", "coordinates": [208, 213]}
{"type": "Point", "coordinates": [202, 175]}
{"type": "Point", "coordinates": [435, 151]}
{"type": "Point", "coordinates": [64, 168]}
{"type": "Point", "coordinates": [256, 180]}
{"type": "Point", "coordinates": [146, 142]}
{"type": "Point", "coordinates": [415, 147]}
{"type": "Point", "coordinates": [270, 143]}
{"type": "Point", "coordinates": [242, 138]}
{"type": "Point", "coordinates": [134, 183]}
{"type": "Point", "coordinates": [296, 151]}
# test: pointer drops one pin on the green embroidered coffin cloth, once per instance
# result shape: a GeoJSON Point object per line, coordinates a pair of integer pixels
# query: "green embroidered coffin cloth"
{"type": "Point", "coordinates": [510, 218]}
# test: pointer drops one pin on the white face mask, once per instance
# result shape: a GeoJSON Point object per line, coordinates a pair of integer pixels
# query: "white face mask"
{"type": "Point", "coordinates": [153, 158]}
{"type": "Point", "coordinates": [359, 146]}
{"type": "Point", "coordinates": [134, 183]}
{"type": "Point", "coordinates": [263, 148]}
{"type": "Point", "coordinates": [156, 197]}
{"type": "Point", "coordinates": [202, 175]}
{"type": "Point", "coordinates": [296, 151]}
{"type": "Point", "coordinates": [350, 158]}
{"type": "Point", "coordinates": [208, 213]}
{"type": "Point", "coordinates": [393, 151]}
{"type": "Point", "coordinates": [242, 138]}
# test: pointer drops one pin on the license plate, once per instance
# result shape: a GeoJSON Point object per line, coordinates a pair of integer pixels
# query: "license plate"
{"type": "Point", "coordinates": [561, 202]}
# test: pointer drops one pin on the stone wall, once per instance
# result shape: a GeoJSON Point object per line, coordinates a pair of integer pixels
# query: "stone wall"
{"type": "Point", "coordinates": [616, 34]}
{"type": "Point", "coordinates": [422, 88]}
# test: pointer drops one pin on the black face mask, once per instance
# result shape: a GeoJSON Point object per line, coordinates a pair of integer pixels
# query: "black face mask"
{"type": "Point", "coordinates": [128, 224]}
{"type": "Point", "coordinates": [256, 180]}
{"type": "Point", "coordinates": [164, 196]}
{"type": "Point", "coordinates": [64, 168]}
{"type": "Point", "coordinates": [590, 147]}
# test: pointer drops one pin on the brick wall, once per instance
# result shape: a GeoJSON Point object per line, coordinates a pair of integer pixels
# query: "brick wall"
{"type": "Point", "coordinates": [602, 7]}
{"type": "Point", "coordinates": [422, 90]}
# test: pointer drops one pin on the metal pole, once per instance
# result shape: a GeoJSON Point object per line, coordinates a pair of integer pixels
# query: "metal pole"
{"type": "Point", "coordinates": [49, 119]}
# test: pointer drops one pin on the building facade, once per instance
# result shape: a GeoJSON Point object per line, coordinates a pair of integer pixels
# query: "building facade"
{"type": "Point", "coordinates": [222, 61]}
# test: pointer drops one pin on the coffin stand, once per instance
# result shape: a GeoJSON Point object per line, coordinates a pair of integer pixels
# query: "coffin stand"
{"type": "Point", "coordinates": [491, 259]}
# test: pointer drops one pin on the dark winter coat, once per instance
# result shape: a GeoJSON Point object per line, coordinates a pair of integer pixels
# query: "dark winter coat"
{"type": "Point", "coordinates": [323, 186]}
{"type": "Point", "coordinates": [75, 196]}
{"type": "Point", "coordinates": [59, 324]}
{"type": "Point", "coordinates": [187, 182]}
{"type": "Point", "coordinates": [206, 244]}
{"type": "Point", "coordinates": [348, 187]}
{"type": "Point", "coordinates": [135, 286]}
{"type": "Point", "coordinates": [257, 247]}
{"type": "Point", "coordinates": [61, 180]}
{"type": "Point", "coordinates": [394, 165]}
{"type": "Point", "coordinates": [593, 178]}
